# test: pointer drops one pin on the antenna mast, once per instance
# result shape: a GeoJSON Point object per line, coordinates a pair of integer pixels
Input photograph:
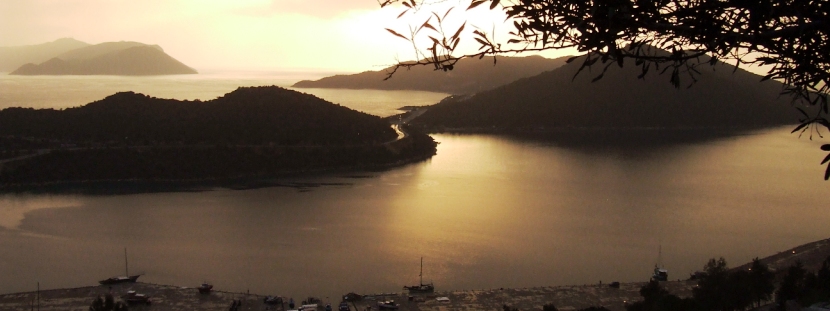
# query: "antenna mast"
{"type": "Point", "coordinates": [126, 265]}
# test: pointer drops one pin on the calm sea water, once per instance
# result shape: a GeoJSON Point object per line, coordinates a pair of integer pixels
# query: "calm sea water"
{"type": "Point", "coordinates": [485, 212]}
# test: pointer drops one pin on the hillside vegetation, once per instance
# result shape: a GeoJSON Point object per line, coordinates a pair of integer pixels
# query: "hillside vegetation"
{"type": "Point", "coordinates": [557, 100]}
{"type": "Point", "coordinates": [257, 131]}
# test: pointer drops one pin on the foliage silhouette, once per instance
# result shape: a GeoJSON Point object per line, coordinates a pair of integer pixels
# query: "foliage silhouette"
{"type": "Point", "coordinates": [787, 36]}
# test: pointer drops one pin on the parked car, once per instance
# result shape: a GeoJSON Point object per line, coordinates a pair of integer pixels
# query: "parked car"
{"type": "Point", "coordinates": [135, 298]}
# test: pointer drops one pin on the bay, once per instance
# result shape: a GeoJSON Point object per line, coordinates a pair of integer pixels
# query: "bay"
{"type": "Point", "coordinates": [487, 211]}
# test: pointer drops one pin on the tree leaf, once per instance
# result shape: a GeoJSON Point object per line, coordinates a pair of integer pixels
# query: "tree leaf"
{"type": "Point", "coordinates": [427, 25]}
{"type": "Point", "coordinates": [397, 34]}
{"type": "Point", "coordinates": [447, 13]}
{"type": "Point", "coordinates": [474, 4]}
{"type": "Point", "coordinates": [494, 4]}
{"type": "Point", "coordinates": [800, 126]}
{"type": "Point", "coordinates": [458, 32]}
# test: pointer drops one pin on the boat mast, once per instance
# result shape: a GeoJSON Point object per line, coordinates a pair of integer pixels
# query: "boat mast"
{"type": "Point", "coordinates": [659, 256]}
{"type": "Point", "coordinates": [126, 265]}
{"type": "Point", "coordinates": [421, 275]}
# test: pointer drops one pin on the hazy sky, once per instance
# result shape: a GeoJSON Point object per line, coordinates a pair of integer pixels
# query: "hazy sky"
{"type": "Point", "coordinates": [342, 35]}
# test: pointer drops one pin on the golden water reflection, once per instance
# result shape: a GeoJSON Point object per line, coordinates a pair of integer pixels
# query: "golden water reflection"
{"type": "Point", "coordinates": [486, 212]}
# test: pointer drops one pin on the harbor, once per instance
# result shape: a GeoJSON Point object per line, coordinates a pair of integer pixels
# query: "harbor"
{"type": "Point", "coordinates": [170, 298]}
{"type": "Point", "coordinates": [611, 295]}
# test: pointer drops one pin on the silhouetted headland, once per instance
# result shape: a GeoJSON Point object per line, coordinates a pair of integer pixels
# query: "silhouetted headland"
{"type": "Point", "coordinates": [250, 132]}
{"type": "Point", "coordinates": [469, 76]}
{"type": "Point", "coordinates": [619, 104]}
{"type": "Point", "coordinates": [110, 58]}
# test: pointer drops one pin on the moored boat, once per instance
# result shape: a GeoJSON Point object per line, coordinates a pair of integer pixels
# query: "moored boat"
{"type": "Point", "coordinates": [205, 288]}
{"type": "Point", "coordinates": [120, 279]}
{"type": "Point", "coordinates": [421, 288]}
{"type": "Point", "coordinates": [127, 278]}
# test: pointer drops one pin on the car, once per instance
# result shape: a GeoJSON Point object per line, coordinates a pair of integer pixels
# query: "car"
{"type": "Point", "coordinates": [134, 298]}
{"type": "Point", "coordinates": [344, 306]}
{"type": "Point", "coordinates": [388, 305]}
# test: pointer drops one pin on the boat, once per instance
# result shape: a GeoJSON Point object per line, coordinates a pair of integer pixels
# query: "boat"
{"type": "Point", "coordinates": [120, 279]}
{"type": "Point", "coordinates": [660, 273]}
{"type": "Point", "coordinates": [421, 288]}
{"type": "Point", "coordinates": [127, 278]}
{"type": "Point", "coordinates": [205, 288]}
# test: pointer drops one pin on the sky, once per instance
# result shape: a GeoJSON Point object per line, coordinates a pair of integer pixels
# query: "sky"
{"type": "Point", "coordinates": [332, 35]}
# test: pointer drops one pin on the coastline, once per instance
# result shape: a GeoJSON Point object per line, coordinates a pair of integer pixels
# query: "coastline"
{"type": "Point", "coordinates": [566, 297]}
{"type": "Point", "coordinates": [403, 151]}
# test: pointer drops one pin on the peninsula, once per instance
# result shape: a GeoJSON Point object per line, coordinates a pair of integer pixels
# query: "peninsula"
{"type": "Point", "coordinates": [562, 100]}
{"type": "Point", "coordinates": [250, 132]}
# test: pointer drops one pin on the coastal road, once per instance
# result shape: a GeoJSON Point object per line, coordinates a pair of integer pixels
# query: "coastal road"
{"type": "Point", "coordinates": [396, 124]}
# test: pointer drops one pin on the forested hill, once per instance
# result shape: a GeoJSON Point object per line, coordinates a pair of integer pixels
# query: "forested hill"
{"type": "Point", "coordinates": [109, 58]}
{"type": "Point", "coordinates": [249, 134]}
{"type": "Point", "coordinates": [258, 115]}
{"type": "Point", "coordinates": [551, 100]}
{"type": "Point", "coordinates": [469, 76]}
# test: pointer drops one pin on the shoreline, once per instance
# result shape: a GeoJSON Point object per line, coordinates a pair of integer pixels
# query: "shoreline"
{"type": "Point", "coordinates": [564, 297]}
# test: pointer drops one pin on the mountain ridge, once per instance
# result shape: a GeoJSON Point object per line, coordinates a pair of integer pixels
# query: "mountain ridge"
{"type": "Point", "coordinates": [558, 99]}
{"type": "Point", "coordinates": [469, 76]}
{"type": "Point", "coordinates": [109, 58]}
{"type": "Point", "coordinates": [12, 57]}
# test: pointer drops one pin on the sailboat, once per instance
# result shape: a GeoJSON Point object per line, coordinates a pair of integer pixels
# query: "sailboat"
{"type": "Point", "coordinates": [127, 278]}
{"type": "Point", "coordinates": [660, 273]}
{"type": "Point", "coordinates": [421, 288]}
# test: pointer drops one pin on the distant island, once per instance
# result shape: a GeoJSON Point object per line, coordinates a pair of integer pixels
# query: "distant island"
{"type": "Point", "coordinates": [12, 57]}
{"type": "Point", "coordinates": [554, 102]}
{"type": "Point", "coordinates": [109, 58]}
{"type": "Point", "coordinates": [250, 132]}
{"type": "Point", "coordinates": [469, 76]}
